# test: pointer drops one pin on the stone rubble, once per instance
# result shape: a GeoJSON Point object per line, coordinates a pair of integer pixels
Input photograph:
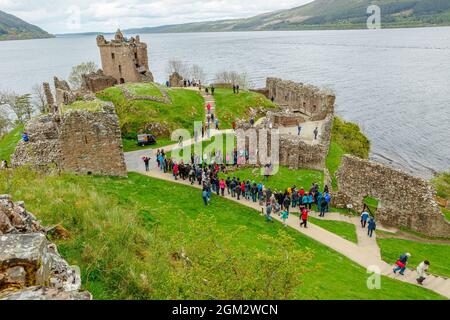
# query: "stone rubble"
{"type": "Point", "coordinates": [30, 265]}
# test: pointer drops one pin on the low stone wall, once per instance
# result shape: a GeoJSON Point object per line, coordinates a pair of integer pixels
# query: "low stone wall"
{"type": "Point", "coordinates": [131, 97]}
{"type": "Point", "coordinates": [30, 266]}
{"type": "Point", "coordinates": [404, 200]}
{"type": "Point", "coordinates": [97, 81]}
{"type": "Point", "coordinates": [79, 141]}
{"type": "Point", "coordinates": [315, 103]}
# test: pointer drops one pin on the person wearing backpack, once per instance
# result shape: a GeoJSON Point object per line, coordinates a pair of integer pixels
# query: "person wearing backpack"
{"type": "Point", "coordinates": [401, 263]}
{"type": "Point", "coordinates": [364, 218]}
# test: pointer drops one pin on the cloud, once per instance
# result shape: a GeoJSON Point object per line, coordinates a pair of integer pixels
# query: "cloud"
{"type": "Point", "coordinates": [60, 16]}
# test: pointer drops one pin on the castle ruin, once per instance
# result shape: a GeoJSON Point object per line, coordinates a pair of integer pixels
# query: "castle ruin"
{"type": "Point", "coordinates": [123, 59]}
{"type": "Point", "coordinates": [403, 200]}
{"type": "Point", "coordinates": [73, 140]}
{"type": "Point", "coordinates": [304, 105]}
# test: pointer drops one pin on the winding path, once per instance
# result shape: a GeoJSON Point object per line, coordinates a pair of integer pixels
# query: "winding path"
{"type": "Point", "coordinates": [366, 253]}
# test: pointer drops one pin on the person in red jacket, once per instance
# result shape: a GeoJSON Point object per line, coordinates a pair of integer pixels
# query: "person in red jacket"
{"type": "Point", "coordinates": [175, 171]}
{"type": "Point", "coordinates": [304, 218]}
{"type": "Point", "coordinates": [209, 108]}
{"type": "Point", "coordinates": [222, 186]}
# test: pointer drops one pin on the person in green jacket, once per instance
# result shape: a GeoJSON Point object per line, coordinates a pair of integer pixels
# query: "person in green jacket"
{"type": "Point", "coordinates": [284, 217]}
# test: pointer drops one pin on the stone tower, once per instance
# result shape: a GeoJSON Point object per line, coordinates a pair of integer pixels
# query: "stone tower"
{"type": "Point", "coordinates": [123, 59]}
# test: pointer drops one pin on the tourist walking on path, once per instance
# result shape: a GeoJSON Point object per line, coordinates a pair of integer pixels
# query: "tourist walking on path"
{"type": "Point", "coordinates": [299, 129]}
{"type": "Point", "coordinates": [222, 185]}
{"type": "Point", "coordinates": [284, 217]}
{"type": "Point", "coordinates": [421, 269]}
{"type": "Point", "coordinates": [205, 197]}
{"type": "Point", "coordinates": [364, 218]}
{"type": "Point", "coordinates": [401, 263]}
{"type": "Point", "coordinates": [371, 227]}
{"type": "Point", "coordinates": [316, 132]}
{"type": "Point", "coordinates": [146, 163]}
{"type": "Point", "coordinates": [323, 207]}
{"type": "Point", "coordinates": [269, 212]}
{"type": "Point", "coordinates": [208, 107]}
{"type": "Point", "coordinates": [304, 218]}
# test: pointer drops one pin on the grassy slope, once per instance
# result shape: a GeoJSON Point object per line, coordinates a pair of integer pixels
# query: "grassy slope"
{"type": "Point", "coordinates": [110, 220]}
{"type": "Point", "coordinates": [342, 229]}
{"type": "Point", "coordinates": [346, 138]}
{"type": "Point", "coordinates": [230, 106]}
{"type": "Point", "coordinates": [437, 254]}
{"type": "Point", "coordinates": [134, 116]}
{"type": "Point", "coordinates": [9, 142]}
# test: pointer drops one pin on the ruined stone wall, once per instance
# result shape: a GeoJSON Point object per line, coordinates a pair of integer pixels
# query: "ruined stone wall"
{"type": "Point", "coordinates": [176, 80]}
{"type": "Point", "coordinates": [30, 265]}
{"type": "Point", "coordinates": [97, 81]}
{"type": "Point", "coordinates": [294, 152]}
{"type": "Point", "coordinates": [125, 60]}
{"type": "Point", "coordinates": [91, 143]}
{"type": "Point", "coordinates": [404, 200]}
{"type": "Point", "coordinates": [300, 98]}
{"type": "Point", "coordinates": [79, 141]}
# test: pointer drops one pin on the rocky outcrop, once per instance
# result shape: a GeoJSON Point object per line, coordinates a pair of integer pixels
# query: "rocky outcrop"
{"type": "Point", "coordinates": [30, 265]}
{"type": "Point", "coordinates": [404, 200]}
{"type": "Point", "coordinates": [79, 141]}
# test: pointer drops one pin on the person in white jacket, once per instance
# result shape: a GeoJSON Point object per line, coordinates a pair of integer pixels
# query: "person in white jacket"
{"type": "Point", "coordinates": [423, 266]}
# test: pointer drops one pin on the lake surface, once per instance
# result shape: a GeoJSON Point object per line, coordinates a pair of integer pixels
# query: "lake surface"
{"type": "Point", "coordinates": [394, 83]}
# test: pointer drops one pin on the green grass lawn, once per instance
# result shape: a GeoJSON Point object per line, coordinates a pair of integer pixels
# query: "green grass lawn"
{"type": "Point", "coordinates": [136, 116]}
{"type": "Point", "coordinates": [209, 146]}
{"type": "Point", "coordinates": [230, 106]}
{"type": "Point", "coordinates": [437, 254]}
{"type": "Point", "coordinates": [343, 229]}
{"type": "Point", "coordinates": [113, 223]}
{"type": "Point", "coordinates": [92, 106]}
{"type": "Point", "coordinates": [333, 161]}
{"type": "Point", "coordinates": [144, 89]}
{"type": "Point", "coordinates": [9, 142]}
{"type": "Point", "coordinates": [285, 178]}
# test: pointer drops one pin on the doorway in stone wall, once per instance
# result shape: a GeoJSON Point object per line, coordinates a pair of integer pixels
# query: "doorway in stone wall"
{"type": "Point", "coordinates": [372, 204]}
{"type": "Point", "coordinates": [122, 80]}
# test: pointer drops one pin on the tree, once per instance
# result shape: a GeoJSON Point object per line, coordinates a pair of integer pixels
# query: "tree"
{"type": "Point", "coordinates": [4, 125]}
{"type": "Point", "coordinates": [19, 104]}
{"type": "Point", "coordinates": [197, 73]}
{"type": "Point", "coordinates": [178, 67]}
{"type": "Point", "coordinates": [75, 77]}
{"type": "Point", "coordinates": [40, 98]}
{"type": "Point", "coordinates": [234, 77]}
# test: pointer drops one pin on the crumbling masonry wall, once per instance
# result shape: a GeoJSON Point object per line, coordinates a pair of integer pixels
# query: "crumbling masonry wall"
{"type": "Point", "coordinates": [78, 141]}
{"type": "Point", "coordinates": [404, 200]}
{"type": "Point", "coordinates": [294, 97]}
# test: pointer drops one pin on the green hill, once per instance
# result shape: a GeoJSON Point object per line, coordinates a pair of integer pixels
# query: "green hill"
{"type": "Point", "coordinates": [13, 28]}
{"type": "Point", "coordinates": [328, 14]}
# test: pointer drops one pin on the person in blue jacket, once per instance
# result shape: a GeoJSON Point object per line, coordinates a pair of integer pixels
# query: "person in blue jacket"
{"type": "Point", "coordinates": [25, 137]}
{"type": "Point", "coordinates": [371, 227]}
{"type": "Point", "coordinates": [401, 263]}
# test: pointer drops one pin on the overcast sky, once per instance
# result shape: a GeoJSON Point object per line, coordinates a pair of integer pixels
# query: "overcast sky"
{"type": "Point", "coordinates": [70, 16]}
